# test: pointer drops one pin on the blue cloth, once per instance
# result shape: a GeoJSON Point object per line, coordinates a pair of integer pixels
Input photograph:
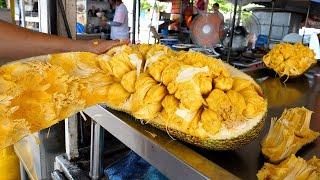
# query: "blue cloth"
{"type": "Point", "coordinates": [80, 28]}
{"type": "Point", "coordinates": [132, 166]}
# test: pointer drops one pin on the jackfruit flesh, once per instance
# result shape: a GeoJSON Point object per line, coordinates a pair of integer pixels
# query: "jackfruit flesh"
{"type": "Point", "coordinates": [288, 134]}
{"type": "Point", "coordinates": [185, 91]}
{"type": "Point", "coordinates": [290, 60]}
{"type": "Point", "coordinates": [292, 168]}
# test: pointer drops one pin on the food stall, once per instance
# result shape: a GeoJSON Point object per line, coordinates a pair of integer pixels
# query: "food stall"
{"type": "Point", "coordinates": [174, 156]}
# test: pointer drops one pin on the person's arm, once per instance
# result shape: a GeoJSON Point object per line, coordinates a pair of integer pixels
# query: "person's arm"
{"type": "Point", "coordinates": [17, 43]}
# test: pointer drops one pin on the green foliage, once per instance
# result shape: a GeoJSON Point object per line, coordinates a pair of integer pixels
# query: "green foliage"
{"type": "Point", "coordinates": [145, 5]}
{"type": "Point", "coordinates": [3, 4]}
{"type": "Point", "coordinates": [225, 6]}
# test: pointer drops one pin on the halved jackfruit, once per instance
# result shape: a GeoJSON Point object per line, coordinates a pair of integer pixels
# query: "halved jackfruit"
{"type": "Point", "coordinates": [56, 89]}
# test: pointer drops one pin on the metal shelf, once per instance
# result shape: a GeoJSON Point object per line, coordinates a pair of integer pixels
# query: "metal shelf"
{"type": "Point", "coordinates": [171, 157]}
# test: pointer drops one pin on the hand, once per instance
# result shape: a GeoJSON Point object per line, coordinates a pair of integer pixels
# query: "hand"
{"type": "Point", "coordinates": [102, 46]}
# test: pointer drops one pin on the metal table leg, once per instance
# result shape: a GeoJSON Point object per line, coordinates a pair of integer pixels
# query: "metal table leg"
{"type": "Point", "coordinates": [23, 173]}
{"type": "Point", "coordinates": [96, 150]}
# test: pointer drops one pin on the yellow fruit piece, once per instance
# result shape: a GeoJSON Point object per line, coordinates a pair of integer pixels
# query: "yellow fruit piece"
{"type": "Point", "coordinates": [239, 84]}
{"type": "Point", "coordinates": [117, 95]}
{"type": "Point", "coordinates": [288, 134]}
{"type": "Point", "coordinates": [155, 94]}
{"type": "Point", "coordinates": [223, 83]}
{"type": "Point", "coordinates": [170, 103]}
{"type": "Point", "coordinates": [211, 121]}
{"type": "Point", "coordinates": [77, 63]}
{"type": "Point", "coordinates": [255, 103]}
{"type": "Point", "coordinates": [189, 95]}
{"type": "Point", "coordinates": [292, 168]}
{"type": "Point", "coordinates": [238, 103]}
{"type": "Point", "coordinates": [128, 81]}
{"type": "Point", "coordinates": [9, 164]}
{"type": "Point", "coordinates": [218, 100]}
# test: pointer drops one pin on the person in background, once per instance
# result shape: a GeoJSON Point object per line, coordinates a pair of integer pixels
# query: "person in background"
{"type": "Point", "coordinates": [216, 11]}
{"type": "Point", "coordinates": [17, 43]}
{"type": "Point", "coordinates": [119, 25]}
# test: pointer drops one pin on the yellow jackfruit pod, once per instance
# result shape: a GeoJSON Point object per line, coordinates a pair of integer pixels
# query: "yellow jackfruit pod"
{"type": "Point", "coordinates": [155, 94]}
{"type": "Point", "coordinates": [148, 111]}
{"type": "Point", "coordinates": [171, 72]}
{"type": "Point", "coordinates": [143, 84]}
{"type": "Point", "coordinates": [9, 164]}
{"type": "Point", "coordinates": [211, 121]}
{"type": "Point", "coordinates": [144, 48]}
{"type": "Point", "coordinates": [255, 103]}
{"type": "Point", "coordinates": [223, 83]}
{"type": "Point", "coordinates": [170, 103]}
{"type": "Point", "coordinates": [103, 63]}
{"type": "Point", "coordinates": [240, 83]}
{"type": "Point", "coordinates": [157, 48]}
{"type": "Point", "coordinates": [117, 95]}
{"type": "Point", "coordinates": [190, 96]}
{"type": "Point", "coordinates": [238, 103]}
{"type": "Point", "coordinates": [128, 81]}
{"type": "Point", "coordinates": [156, 65]}
{"type": "Point", "coordinates": [218, 101]}
{"type": "Point", "coordinates": [76, 63]}
{"type": "Point", "coordinates": [120, 66]}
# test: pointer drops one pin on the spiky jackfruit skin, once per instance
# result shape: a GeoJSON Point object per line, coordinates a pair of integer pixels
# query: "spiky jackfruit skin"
{"type": "Point", "coordinates": [156, 84]}
{"type": "Point", "coordinates": [215, 144]}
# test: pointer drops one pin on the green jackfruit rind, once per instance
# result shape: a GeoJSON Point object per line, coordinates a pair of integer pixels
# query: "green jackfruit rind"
{"type": "Point", "coordinates": [214, 144]}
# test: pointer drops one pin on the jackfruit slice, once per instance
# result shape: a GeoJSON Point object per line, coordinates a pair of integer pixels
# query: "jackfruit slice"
{"type": "Point", "coordinates": [292, 168]}
{"type": "Point", "coordinates": [288, 134]}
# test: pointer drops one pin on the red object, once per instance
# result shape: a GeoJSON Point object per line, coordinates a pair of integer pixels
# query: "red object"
{"type": "Point", "coordinates": [200, 5]}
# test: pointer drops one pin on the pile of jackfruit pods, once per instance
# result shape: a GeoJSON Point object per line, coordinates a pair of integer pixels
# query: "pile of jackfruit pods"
{"type": "Point", "coordinates": [290, 60]}
{"type": "Point", "coordinates": [186, 93]}
{"type": "Point", "coordinates": [286, 136]}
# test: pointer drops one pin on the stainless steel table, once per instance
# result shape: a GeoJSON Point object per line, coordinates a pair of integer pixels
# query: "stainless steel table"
{"type": "Point", "coordinates": [178, 160]}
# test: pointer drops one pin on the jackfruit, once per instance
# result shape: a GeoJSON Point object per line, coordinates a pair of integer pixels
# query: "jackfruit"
{"type": "Point", "coordinates": [288, 134]}
{"type": "Point", "coordinates": [196, 98]}
{"type": "Point", "coordinates": [290, 60]}
{"type": "Point", "coordinates": [292, 168]}
{"type": "Point", "coordinates": [128, 81]}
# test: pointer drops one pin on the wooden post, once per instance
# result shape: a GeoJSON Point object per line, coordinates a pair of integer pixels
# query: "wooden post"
{"type": "Point", "coordinates": [71, 14]}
